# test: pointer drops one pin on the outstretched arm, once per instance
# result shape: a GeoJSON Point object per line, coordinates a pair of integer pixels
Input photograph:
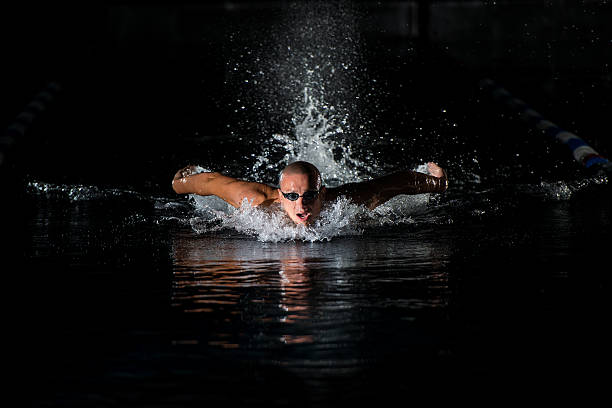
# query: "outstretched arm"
{"type": "Point", "coordinates": [373, 193]}
{"type": "Point", "coordinates": [231, 190]}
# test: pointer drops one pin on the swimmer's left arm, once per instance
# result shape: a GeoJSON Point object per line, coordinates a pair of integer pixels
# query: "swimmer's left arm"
{"type": "Point", "coordinates": [373, 193]}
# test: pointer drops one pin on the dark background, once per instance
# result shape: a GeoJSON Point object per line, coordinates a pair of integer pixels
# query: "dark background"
{"type": "Point", "coordinates": [143, 82]}
{"type": "Point", "coordinates": [144, 92]}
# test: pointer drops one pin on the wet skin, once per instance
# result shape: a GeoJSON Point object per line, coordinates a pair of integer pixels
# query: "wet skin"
{"type": "Point", "coordinates": [370, 193]}
{"type": "Point", "coordinates": [301, 211]}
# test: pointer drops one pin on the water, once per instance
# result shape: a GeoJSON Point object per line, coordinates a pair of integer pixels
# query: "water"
{"type": "Point", "coordinates": [121, 293]}
{"type": "Point", "coordinates": [137, 301]}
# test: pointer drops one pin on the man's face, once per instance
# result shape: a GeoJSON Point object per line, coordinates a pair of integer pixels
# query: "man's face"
{"type": "Point", "coordinates": [301, 211]}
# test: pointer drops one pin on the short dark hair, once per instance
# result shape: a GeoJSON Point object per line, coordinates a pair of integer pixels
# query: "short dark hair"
{"type": "Point", "coordinates": [302, 167]}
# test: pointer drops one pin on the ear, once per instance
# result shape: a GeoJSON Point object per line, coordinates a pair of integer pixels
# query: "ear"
{"type": "Point", "coordinates": [280, 195]}
{"type": "Point", "coordinates": [322, 193]}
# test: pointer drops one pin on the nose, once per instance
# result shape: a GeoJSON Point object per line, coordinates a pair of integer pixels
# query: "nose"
{"type": "Point", "coordinates": [299, 204]}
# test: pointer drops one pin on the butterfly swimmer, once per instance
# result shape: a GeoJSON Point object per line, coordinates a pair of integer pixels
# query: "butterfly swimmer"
{"type": "Point", "coordinates": [301, 192]}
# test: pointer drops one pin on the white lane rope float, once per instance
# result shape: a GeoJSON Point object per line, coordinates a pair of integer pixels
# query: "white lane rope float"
{"type": "Point", "coordinates": [581, 151]}
{"type": "Point", "coordinates": [20, 125]}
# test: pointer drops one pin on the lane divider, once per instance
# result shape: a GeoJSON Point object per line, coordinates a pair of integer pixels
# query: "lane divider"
{"type": "Point", "coordinates": [581, 151]}
{"type": "Point", "coordinates": [26, 117]}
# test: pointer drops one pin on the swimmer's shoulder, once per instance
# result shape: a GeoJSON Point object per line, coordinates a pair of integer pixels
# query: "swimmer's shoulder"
{"type": "Point", "coordinates": [269, 203]}
{"type": "Point", "coordinates": [260, 195]}
{"type": "Point", "coordinates": [332, 194]}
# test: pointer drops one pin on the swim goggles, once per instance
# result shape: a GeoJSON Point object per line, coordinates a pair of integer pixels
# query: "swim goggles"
{"type": "Point", "coordinates": [308, 195]}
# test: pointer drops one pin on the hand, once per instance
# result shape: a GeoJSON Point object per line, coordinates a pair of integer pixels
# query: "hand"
{"type": "Point", "coordinates": [435, 170]}
{"type": "Point", "coordinates": [186, 172]}
{"type": "Point", "coordinates": [438, 172]}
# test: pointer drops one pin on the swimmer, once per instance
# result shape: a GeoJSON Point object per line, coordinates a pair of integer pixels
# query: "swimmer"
{"type": "Point", "coordinates": [301, 192]}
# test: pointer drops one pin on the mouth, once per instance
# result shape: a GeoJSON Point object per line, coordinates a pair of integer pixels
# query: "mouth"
{"type": "Point", "coordinates": [303, 216]}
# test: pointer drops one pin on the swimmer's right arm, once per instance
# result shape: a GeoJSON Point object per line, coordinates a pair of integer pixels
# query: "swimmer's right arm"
{"type": "Point", "coordinates": [231, 190]}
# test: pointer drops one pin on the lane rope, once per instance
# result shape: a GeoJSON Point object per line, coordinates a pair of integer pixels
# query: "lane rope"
{"type": "Point", "coordinates": [580, 150]}
{"type": "Point", "coordinates": [20, 125]}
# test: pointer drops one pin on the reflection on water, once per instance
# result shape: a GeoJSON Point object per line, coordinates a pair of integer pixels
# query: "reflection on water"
{"type": "Point", "coordinates": [265, 294]}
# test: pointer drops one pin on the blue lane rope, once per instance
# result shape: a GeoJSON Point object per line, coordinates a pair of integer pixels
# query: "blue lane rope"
{"type": "Point", "coordinates": [581, 151]}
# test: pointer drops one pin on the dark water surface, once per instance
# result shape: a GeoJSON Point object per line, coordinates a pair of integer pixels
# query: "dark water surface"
{"type": "Point", "coordinates": [122, 308]}
{"type": "Point", "coordinates": [497, 290]}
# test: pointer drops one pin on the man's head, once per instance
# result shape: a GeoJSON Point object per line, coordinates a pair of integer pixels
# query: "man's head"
{"type": "Point", "coordinates": [301, 191]}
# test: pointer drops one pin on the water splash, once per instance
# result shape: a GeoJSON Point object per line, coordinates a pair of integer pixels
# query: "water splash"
{"type": "Point", "coordinates": [318, 138]}
{"type": "Point", "coordinates": [341, 218]}
{"type": "Point", "coordinates": [564, 190]}
{"type": "Point", "coordinates": [77, 192]}
{"type": "Point", "coordinates": [299, 85]}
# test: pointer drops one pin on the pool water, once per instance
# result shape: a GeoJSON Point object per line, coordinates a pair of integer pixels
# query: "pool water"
{"type": "Point", "coordinates": [124, 308]}
{"type": "Point", "coordinates": [121, 293]}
